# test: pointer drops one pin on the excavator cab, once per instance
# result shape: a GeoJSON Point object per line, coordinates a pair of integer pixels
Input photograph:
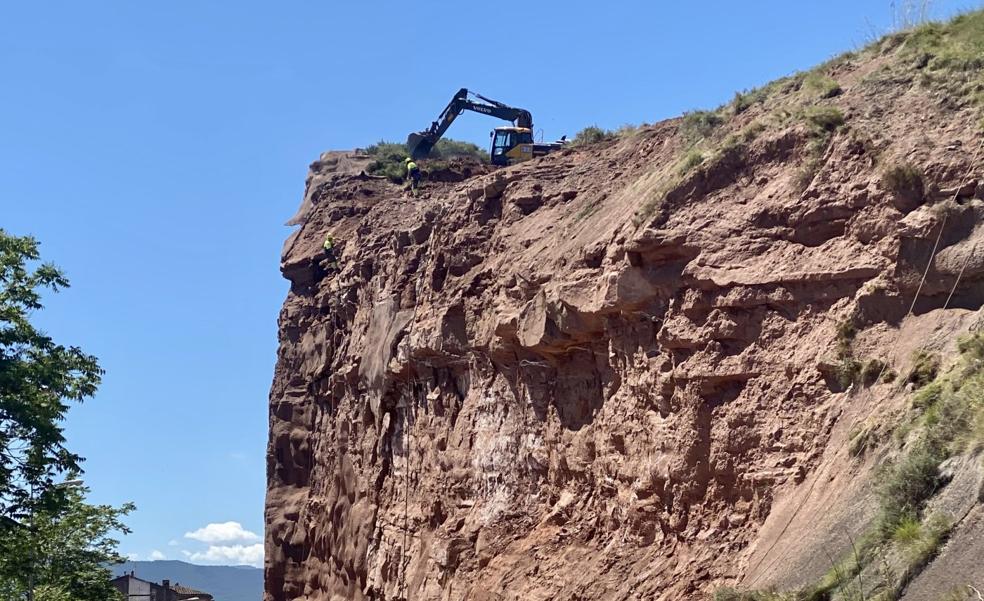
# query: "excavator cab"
{"type": "Point", "coordinates": [511, 145]}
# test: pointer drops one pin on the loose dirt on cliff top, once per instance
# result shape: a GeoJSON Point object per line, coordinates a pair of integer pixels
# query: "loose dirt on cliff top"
{"type": "Point", "coordinates": [672, 365]}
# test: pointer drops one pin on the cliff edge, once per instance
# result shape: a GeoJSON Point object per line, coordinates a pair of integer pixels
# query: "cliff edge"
{"type": "Point", "coordinates": [673, 364]}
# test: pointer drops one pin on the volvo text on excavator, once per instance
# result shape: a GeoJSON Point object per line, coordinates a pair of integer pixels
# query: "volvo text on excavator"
{"type": "Point", "coordinates": [509, 144]}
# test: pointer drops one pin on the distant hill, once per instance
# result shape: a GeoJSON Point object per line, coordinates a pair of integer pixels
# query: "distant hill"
{"type": "Point", "coordinates": [224, 583]}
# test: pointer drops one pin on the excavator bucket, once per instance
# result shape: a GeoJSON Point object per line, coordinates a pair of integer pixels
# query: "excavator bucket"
{"type": "Point", "coordinates": [418, 146]}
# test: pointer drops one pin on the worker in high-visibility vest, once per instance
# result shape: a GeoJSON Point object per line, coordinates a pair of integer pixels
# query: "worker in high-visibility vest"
{"type": "Point", "coordinates": [330, 260]}
{"type": "Point", "coordinates": [413, 176]}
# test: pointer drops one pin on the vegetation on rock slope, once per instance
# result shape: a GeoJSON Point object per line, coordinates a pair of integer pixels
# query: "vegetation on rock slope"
{"type": "Point", "coordinates": [948, 406]}
{"type": "Point", "coordinates": [388, 157]}
{"type": "Point", "coordinates": [947, 59]}
{"type": "Point", "coordinates": [949, 420]}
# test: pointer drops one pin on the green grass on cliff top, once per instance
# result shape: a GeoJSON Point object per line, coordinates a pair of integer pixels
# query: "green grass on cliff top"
{"type": "Point", "coordinates": [388, 157]}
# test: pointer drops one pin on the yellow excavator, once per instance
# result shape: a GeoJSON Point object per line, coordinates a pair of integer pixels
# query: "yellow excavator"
{"type": "Point", "coordinates": [509, 144]}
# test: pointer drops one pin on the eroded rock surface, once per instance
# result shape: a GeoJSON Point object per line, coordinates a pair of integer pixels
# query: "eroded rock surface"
{"type": "Point", "coordinates": [595, 375]}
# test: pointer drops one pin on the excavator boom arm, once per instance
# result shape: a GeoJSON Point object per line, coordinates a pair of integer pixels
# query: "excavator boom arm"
{"type": "Point", "coordinates": [420, 143]}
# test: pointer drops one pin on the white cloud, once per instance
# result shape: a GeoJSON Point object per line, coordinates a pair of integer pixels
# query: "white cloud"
{"type": "Point", "coordinates": [172, 543]}
{"type": "Point", "coordinates": [225, 532]}
{"type": "Point", "coordinates": [232, 554]}
{"type": "Point", "coordinates": [133, 556]}
{"type": "Point", "coordinates": [156, 555]}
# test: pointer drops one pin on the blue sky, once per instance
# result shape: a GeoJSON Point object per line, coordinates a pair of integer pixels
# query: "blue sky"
{"type": "Point", "coordinates": [156, 150]}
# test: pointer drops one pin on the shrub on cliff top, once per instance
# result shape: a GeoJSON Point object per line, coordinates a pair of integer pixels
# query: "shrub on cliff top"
{"type": "Point", "coordinates": [388, 157]}
{"type": "Point", "coordinates": [445, 148]}
{"type": "Point", "coordinates": [699, 124]}
{"type": "Point", "coordinates": [592, 135]}
{"type": "Point", "coordinates": [449, 149]}
{"type": "Point", "coordinates": [949, 56]}
{"type": "Point", "coordinates": [387, 160]}
{"type": "Point", "coordinates": [957, 45]}
{"type": "Point", "coordinates": [746, 100]}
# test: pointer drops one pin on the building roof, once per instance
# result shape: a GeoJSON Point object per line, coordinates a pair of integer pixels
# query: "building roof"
{"type": "Point", "coordinates": [177, 588]}
{"type": "Point", "coordinates": [130, 575]}
{"type": "Point", "coordinates": [185, 590]}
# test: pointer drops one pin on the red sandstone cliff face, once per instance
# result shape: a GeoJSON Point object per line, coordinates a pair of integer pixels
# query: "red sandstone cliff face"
{"type": "Point", "coordinates": [600, 375]}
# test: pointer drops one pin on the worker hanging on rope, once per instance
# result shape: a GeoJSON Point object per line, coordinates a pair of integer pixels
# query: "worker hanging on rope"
{"type": "Point", "coordinates": [413, 176]}
{"type": "Point", "coordinates": [329, 263]}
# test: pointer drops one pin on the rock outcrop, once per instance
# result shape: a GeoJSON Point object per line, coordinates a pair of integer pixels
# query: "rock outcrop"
{"type": "Point", "coordinates": [617, 372]}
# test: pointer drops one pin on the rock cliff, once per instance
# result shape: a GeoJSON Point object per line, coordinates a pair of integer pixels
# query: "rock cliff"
{"type": "Point", "coordinates": [638, 369]}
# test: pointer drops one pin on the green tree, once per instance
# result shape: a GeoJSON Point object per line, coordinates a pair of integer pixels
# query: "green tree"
{"type": "Point", "coordinates": [53, 545]}
{"type": "Point", "coordinates": [63, 553]}
{"type": "Point", "coordinates": [38, 380]}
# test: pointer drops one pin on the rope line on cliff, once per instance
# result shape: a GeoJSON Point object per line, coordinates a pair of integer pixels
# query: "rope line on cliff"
{"type": "Point", "coordinates": [895, 388]}
{"type": "Point", "coordinates": [963, 267]}
{"type": "Point", "coordinates": [809, 490]}
{"type": "Point", "coordinates": [912, 307]}
{"type": "Point", "coordinates": [956, 196]}
{"type": "Point", "coordinates": [929, 264]}
{"type": "Point", "coordinates": [411, 405]}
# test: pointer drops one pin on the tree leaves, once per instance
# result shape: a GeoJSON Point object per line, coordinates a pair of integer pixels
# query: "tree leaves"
{"type": "Point", "coordinates": [38, 378]}
{"type": "Point", "coordinates": [52, 542]}
{"type": "Point", "coordinates": [65, 552]}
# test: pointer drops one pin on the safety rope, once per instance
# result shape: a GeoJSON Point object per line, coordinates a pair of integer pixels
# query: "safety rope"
{"type": "Point", "coordinates": [932, 255]}
{"type": "Point", "coordinates": [411, 404]}
{"type": "Point", "coordinates": [809, 490]}
{"type": "Point", "coordinates": [915, 298]}
{"type": "Point", "coordinates": [894, 389]}
{"type": "Point", "coordinates": [963, 267]}
{"type": "Point", "coordinates": [956, 196]}
{"type": "Point", "coordinates": [955, 283]}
